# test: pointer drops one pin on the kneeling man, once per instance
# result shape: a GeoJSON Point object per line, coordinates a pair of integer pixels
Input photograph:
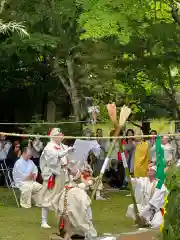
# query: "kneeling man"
{"type": "Point", "coordinates": [72, 206]}
{"type": "Point", "coordinates": [150, 200]}
{"type": "Point", "coordinates": [24, 175]}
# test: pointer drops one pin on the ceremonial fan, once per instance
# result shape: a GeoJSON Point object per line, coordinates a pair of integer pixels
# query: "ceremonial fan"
{"type": "Point", "coordinates": [124, 115]}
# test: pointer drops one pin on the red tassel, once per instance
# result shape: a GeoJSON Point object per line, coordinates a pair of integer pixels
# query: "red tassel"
{"type": "Point", "coordinates": [49, 133]}
{"type": "Point", "coordinates": [61, 223]}
{"type": "Point", "coordinates": [85, 175]}
{"type": "Point", "coordinates": [51, 182]}
{"type": "Point", "coordinates": [162, 211]}
{"type": "Point", "coordinates": [119, 157]}
{"type": "Point", "coordinates": [124, 142]}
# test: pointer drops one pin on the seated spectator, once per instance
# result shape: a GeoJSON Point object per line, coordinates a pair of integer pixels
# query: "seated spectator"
{"type": "Point", "coordinates": [4, 147]}
{"type": "Point", "coordinates": [24, 175]}
{"type": "Point", "coordinates": [13, 154]}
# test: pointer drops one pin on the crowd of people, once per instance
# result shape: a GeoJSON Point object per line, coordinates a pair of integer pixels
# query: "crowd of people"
{"type": "Point", "coordinates": [10, 152]}
{"type": "Point", "coordinates": [139, 153]}
{"type": "Point", "coordinates": [46, 176]}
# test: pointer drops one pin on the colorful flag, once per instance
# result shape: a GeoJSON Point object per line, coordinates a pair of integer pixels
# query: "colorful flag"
{"type": "Point", "coordinates": [160, 163]}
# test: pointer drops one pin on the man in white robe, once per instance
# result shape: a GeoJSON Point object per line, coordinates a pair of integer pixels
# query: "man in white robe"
{"type": "Point", "coordinates": [24, 176]}
{"type": "Point", "coordinates": [149, 199]}
{"type": "Point", "coordinates": [74, 206]}
{"type": "Point", "coordinates": [53, 165]}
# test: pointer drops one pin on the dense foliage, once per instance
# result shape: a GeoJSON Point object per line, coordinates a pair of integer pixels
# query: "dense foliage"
{"type": "Point", "coordinates": [126, 52]}
{"type": "Point", "coordinates": [172, 216]}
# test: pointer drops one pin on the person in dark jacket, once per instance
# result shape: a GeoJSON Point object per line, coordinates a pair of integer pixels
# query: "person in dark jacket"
{"type": "Point", "coordinates": [13, 154]}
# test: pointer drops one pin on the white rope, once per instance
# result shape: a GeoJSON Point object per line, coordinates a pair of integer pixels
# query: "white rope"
{"type": "Point", "coordinates": [71, 122]}
{"type": "Point", "coordinates": [41, 123]}
{"type": "Point", "coordinates": [88, 138]}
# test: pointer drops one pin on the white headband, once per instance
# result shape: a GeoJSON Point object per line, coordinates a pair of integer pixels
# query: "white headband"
{"type": "Point", "coordinates": [153, 168]}
{"type": "Point", "coordinates": [54, 132]}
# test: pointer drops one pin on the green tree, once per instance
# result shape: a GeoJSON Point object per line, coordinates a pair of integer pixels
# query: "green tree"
{"type": "Point", "coordinates": [11, 26]}
{"type": "Point", "coordinates": [55, 39]}
{"type": "Point", "coordinates": [148, 50]}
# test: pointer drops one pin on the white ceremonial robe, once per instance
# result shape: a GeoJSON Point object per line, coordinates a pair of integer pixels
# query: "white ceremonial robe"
{"type": "Point", "coordinates": [148, 196]}
{"type": "Point", "coordinates": [29, 189]}
{"type": "Point", "coordinates": [78, 209]}
{"type": "Point", "coordinates": [52, 162]}
{"type": "Point", "coordinates": [53, 157]}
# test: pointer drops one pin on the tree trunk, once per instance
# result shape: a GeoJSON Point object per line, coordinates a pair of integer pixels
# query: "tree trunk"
{"type": "Point", "coordinates": [69, 85]}
{"type": "Point", "coordinates": [73, 90]}
{"type": "Point", "coordinates": [75, 104]}
{"type": "Point", "coordinates": [175, 15]}
{"type": "Point", "coordinates": [173, 95]}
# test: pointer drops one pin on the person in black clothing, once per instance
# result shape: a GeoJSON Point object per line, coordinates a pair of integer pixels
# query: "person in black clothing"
{"type": "Point", "coordinates": [13, 154]}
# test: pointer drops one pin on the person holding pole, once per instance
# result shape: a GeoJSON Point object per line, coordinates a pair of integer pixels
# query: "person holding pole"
{"type": "Point", "coordinates": [150, 199]}
{"type": "Point", "coordinates": [53, 164]}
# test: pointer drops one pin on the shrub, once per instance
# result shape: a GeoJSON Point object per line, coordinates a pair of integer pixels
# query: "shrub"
{"type": "Point", "coordinates": [171, 229]}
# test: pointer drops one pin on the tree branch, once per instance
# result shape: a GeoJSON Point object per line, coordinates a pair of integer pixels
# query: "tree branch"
{"type": "Point", "coordinates": [174, 13]}
{"type": "Point", "coordinates": [136, 125]}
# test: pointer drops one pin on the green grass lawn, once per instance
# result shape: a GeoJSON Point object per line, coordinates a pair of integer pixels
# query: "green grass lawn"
{"type": "Point", "coordinates": [24, 224]}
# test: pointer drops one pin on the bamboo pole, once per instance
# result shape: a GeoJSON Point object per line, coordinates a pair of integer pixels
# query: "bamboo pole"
{"type": "Point", "coordinates": [123, 117]}
{"type": "Point", "coordinates": [106, 162]}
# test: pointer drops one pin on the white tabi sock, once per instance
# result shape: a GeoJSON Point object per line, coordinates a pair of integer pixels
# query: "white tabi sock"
{"type": "Point", "coordinates": [98, 194]}
{"type": "Point", "coordinates": [44, 218]}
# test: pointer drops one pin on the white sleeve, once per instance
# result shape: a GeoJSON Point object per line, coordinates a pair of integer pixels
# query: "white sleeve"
{"type": "Point", "coordinates": [62, 153]}
{"type": "Point", "coordinates": [134, 182]}
{"type": "Point", "coordinates": [44, 159]}
{"type": "Point", "coordinates": [157, 199]}
{"type": "Point", "coordinates": [18, 175]}
{"type": "Point", "coordinates": [38, 146]}
{"type": "Point", "coordinates": [82, 186]}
